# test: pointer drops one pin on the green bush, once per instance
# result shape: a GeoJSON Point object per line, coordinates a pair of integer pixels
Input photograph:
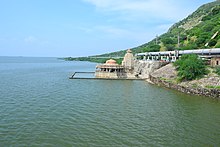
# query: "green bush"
{"type": "Point", "coordinates": [170, 47]}
{"type": "Point", "coordinates": [190, 67]}
{"type": "Point", "coordinates": [154, 48]}
{"type": "Point", "coordinates": [216, 10]}
{"type": "Point", "coordinates": [151, 48]}
{"type": "Point", "coordinates": [189, 47]}
{"type": "Point", "coordinates": [200, 41]}
{"type": "Point", "coordinates": [212, 42]}
{"type": "Point", "coordinates": [217, 44]}
{"type": "Point", "coordinates": [167, 41]}
{"type": "Point", "coordinates": [217, 70]}
{"type": "Point", "coordinates": [208, 27]}
{"type": "Point", "coordinates": [212, 87]}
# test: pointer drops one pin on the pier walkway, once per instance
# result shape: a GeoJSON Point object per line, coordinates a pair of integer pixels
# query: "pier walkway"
{"type": "Point", "coordinates": [94, 78]}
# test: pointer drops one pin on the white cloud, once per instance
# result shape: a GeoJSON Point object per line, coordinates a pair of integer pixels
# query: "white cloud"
{"type": "Point", "coordinates": [139, 35]}
{"type": "Point", "coordinates": [30, 39]}
{"type": "Point", "coordinates": [169, 9]}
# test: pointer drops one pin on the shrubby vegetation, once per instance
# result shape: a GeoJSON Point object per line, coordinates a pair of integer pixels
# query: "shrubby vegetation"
{"type": "Point", "coordinates": [190, 67]}
{"type": "Point", "coordinates": [152, 48]}
{"type": "Point", "coordinates": [217, 70]}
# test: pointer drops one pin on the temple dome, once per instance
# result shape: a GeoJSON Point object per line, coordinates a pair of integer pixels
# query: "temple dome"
{"type": "Point", "coordinates": [111, 62]}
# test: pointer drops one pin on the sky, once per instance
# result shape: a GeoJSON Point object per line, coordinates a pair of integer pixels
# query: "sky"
{"type": "Point", "coordinates": [64, 28]}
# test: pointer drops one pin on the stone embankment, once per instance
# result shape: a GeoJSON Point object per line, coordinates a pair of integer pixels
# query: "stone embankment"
{"type": "Point", "coordinates": [144, 68]}
{"type": "Point", "coordinates": [167, 75]}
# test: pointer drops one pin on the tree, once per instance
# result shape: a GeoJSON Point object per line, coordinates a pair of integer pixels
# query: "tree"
{"type": "Point", "coordinates": [167, 41]}
{"type": "Point", "coordinates": [154, 48]}
{"type": "Point", "coordinates": [190, 67]}
{"type": "Point", "coordinates": [212, 42]}
{"type": "Point", "coordinates": [216, 10]}
{"type": "Point", "coordinates": [170, 47]}
{"type": "Point", "coordinates": [218, 44]}
{"type": "Point", "coordinates": [189, 46]}
{"type": "Point", "coordinates": [151, 48]}
{"type": "Point", "coordinates": [208, 27]}
{"type": "Point", "coordinates": [201, 41]}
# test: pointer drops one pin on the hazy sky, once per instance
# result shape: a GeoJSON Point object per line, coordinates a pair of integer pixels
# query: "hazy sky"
{"type": "Point", "coordinates": [59, 28]}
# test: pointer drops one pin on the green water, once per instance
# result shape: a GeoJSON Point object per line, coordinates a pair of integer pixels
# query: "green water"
{"type": "Point", "coordinates": [40, 106]}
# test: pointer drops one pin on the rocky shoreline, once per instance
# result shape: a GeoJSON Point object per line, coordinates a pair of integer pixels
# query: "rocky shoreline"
{"type": "Point", "coordinates": [166, 76]}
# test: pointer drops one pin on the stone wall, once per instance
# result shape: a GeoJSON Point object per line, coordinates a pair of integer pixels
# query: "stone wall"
{"type": "Point", "coordinates": [215, 93]}
{"type": "Point", "coordinates": [215, 61]}
{"type": "Point", "coordinates": [143, 69]}
{"type": "Point", "coordinates": [116, 75]}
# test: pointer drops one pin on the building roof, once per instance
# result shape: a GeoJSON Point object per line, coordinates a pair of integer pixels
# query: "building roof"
{"type": "Point", "coordinates": [111, 62]}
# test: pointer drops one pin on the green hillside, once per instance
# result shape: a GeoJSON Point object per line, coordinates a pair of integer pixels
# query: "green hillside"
{"type": "Point", "coordinates": [195, 31]}
{"type": "Point", "coordinates": [201, 29]}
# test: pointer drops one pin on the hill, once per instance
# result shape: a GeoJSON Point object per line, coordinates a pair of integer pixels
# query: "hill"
{"type": "Point", "coordinates": [201, 29]}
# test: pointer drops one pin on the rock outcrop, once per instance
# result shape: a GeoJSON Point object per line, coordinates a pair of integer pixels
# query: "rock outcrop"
{"type": "Point", "coordinates": [143, 69]}
{"type": "Point", "coordinates": [206, 86]}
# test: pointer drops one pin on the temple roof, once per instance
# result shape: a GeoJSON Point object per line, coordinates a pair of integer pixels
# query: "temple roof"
{"type": "Point", "coordinates": [111, 62]}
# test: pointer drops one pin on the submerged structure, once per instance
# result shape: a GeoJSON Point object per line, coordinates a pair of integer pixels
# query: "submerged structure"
{"type": "Point", "coordinates": [111, 69]}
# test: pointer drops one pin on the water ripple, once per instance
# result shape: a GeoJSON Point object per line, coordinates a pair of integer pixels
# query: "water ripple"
{"type": "Point", "coordinates": [39, 106]}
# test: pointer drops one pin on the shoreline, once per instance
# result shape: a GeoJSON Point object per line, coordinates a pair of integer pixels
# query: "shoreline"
{"type": "Point", "coordinates": [165, 76]}
{"type": "Point", "coordinates": [212, 93]}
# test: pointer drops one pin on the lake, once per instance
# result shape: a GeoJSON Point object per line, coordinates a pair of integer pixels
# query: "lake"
{"type": "Point", "coordinates": [40, 106]}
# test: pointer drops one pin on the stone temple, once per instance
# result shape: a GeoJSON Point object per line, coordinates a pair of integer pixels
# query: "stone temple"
{"type": "Point", "coordinates": [112, 70]}
{"type": "Point", "coordinates": [128, 62]}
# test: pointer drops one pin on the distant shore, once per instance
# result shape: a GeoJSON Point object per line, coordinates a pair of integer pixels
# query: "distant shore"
{"type": "Point", "coordinates": [96, 60]}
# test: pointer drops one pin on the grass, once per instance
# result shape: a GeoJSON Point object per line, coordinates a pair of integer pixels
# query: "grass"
{"type": "Point", "coordinates": [168, 80]}
{"type": "Point", "coordinates": [212, 87]}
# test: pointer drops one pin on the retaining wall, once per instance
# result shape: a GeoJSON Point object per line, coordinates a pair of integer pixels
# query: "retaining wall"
{"type": "Point", "coordinates": [215, 93]}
